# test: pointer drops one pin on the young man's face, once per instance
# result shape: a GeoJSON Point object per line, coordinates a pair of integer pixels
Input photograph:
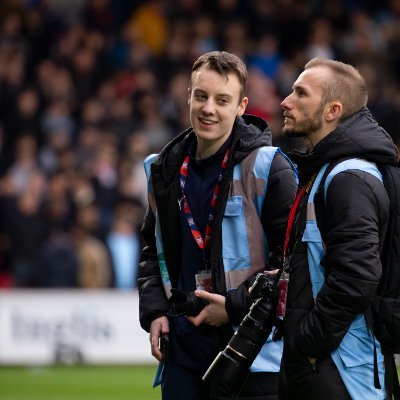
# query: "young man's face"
{"type": "Point", "coordinates": [214, 103]}
{"type": "Point", "coordinates": [303, 108]}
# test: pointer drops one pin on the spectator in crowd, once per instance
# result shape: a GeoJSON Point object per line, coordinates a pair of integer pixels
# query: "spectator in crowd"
{"type": "Point", "coordinates": [124, 244]}
{"type": "Point", "coordinates": [57, 265]}
{"type": "Point", "coordinates": [202, 230]}
{"type": "Point", "coordinates": [94, 268]}
{"type": "Point", "coordinates": [26, 228]}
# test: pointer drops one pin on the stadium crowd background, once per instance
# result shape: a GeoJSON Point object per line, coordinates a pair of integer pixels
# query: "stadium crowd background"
{"type": "Point", "coordinates": [88, 88]}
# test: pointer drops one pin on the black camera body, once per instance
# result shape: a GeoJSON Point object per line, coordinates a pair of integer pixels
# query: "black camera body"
{"type": "Point", "coordinates": [231, 367]}
{"type": "Point", "coordinates": [185, 303]}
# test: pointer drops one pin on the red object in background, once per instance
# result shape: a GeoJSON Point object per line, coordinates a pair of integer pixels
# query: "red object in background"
{"type": "Point", "coordinates": [125, 84]}
{"type": "Point", "coordinates": [258, 112]}
{"type": "Point", "coordinates": [6, 280]}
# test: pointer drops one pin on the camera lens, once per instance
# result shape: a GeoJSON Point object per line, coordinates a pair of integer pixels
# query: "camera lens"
{"type": "Point", "coordinates": [231, 367]}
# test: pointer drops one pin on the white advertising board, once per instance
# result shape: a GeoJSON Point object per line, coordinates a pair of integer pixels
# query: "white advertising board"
{"type": "Point", "coordinates": [93, 327]}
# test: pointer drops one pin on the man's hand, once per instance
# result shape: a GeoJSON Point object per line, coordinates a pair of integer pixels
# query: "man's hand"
{"type": "Point", "coordinates": [214, 314]}
{"type": "Point", "coordinates": [158, 327]}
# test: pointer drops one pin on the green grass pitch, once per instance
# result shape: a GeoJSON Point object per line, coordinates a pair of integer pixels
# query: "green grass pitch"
{"type": "Point", "coordinates": [78, 383]}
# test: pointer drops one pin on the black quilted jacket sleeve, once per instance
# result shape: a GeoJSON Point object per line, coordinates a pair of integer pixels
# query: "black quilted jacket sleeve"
{"type": "Point", "coordinates": [153, 302]}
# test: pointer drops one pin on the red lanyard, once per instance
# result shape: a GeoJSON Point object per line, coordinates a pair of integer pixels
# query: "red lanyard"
{"type": "Point", "coordinates": [293, 211]}
{"type": "Point", "coordinates": [201, 242]}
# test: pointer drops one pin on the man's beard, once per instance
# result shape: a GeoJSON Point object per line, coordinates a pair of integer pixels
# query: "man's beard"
{"type": "Point", "coordinates": [305, 127]}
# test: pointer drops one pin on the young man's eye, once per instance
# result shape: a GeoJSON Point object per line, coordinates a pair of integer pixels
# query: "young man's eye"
{"type": "Point", "coordinates": [200, 96]}
{"type": "Point", "coordinates": [223, 101]}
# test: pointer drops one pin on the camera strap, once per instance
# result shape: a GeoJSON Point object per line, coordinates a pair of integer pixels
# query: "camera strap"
{"type": "Point", "coordinates": [202, 242]}
{"type": "Point", "coordinates": [292, 215]}
{"type": "Point", "coordinates": [284, 278]}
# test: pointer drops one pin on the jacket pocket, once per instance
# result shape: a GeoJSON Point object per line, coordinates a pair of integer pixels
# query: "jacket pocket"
{"type": "Point", "coordinates": [312, 233]}
{"type": "Point", "coordinates": [235, 250]}
{"type": "Point", "coordinates": [234, 206]}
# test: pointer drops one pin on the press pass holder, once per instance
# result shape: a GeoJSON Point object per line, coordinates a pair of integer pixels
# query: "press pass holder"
{"type": "Point", "coordinates": [204, 281]}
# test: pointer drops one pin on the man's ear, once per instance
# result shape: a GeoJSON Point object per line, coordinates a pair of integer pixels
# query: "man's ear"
{"type": "Point", "coordinates": [334, 112]}
{"type": "Point", "coordinates": [242, 107]}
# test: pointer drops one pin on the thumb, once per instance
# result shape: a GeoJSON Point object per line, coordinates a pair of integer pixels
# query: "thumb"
{"type": "Point", "coordinates": [203, 294]}
{"type": "Point", "coordinates": [272, 272]}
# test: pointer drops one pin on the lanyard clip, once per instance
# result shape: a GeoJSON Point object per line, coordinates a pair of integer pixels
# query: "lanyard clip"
{"type": "Point", "coordinates": [285, 264]}
{"type": "Point", "coordinates": [180, 203]}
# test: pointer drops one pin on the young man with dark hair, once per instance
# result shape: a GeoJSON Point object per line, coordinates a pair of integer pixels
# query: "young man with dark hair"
{"type": "Point", "coordinates": [219, 197]}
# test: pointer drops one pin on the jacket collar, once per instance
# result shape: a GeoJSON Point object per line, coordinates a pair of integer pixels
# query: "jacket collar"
{"type": "Point", "coordinates": [357, 136]}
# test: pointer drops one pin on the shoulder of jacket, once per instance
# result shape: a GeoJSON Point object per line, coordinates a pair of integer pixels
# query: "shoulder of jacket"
{"type": "Point", "coordinates": [260, 156]}
{"type": "Point", "coordinates": [147, 163]}
{"type": "Point", "coordinates": [353, 164]}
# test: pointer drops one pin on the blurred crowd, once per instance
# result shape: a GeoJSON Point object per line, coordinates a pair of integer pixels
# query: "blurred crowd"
{"type": "Point", "coordinates": [89, 88]}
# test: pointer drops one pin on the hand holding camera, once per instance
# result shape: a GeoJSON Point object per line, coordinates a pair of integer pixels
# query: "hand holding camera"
{"type": "Point", "coordinates": [185, 303]}
{"type": "Point", "coordinates": [214, 314]}
{"type": "Point", "coordinates": [193, 306]}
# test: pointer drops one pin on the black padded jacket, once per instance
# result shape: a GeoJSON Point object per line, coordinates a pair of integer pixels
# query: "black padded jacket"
{"type": "Point", "coordinates": [249, 133]}
{"type": "Point", "coordinates": [352, 222]}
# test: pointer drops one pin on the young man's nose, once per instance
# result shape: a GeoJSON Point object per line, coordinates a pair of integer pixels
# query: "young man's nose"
{"type": "Point", "coordinates": [209, 107]}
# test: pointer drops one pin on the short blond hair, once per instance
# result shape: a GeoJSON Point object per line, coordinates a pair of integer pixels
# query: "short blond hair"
{"type": "Point", "coordinates": [346, 85]}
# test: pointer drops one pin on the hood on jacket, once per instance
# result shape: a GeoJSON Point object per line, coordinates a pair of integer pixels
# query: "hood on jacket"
{"type": "Point", "coordinates": [357, 136]}
{"type": "Point", "coordinates": [249, 132]}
